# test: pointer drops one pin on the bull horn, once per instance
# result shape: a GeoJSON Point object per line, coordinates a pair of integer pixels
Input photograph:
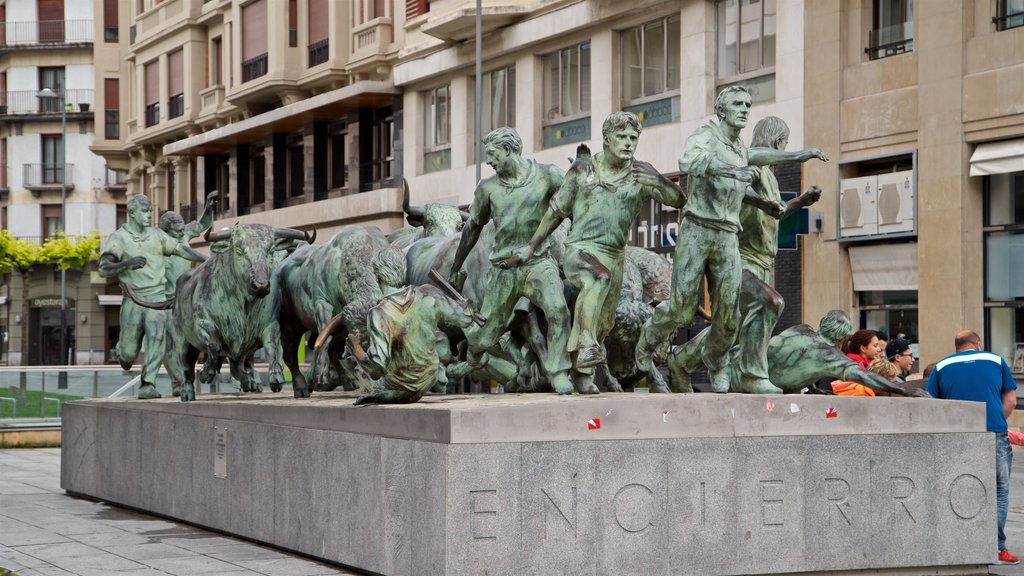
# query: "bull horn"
{"type": "Point", "coordinates": [310, 238]}
{"type": "Point", "coordinates": [290, 234]}
{"type": "Point", "coordinates": [411, 212]}
{"type": "Point", "coordinates": [151, 305]}
{"type": "Point", "coordinates": [222, 234]}
{"type": "Point", "coordinates": [327, 331]}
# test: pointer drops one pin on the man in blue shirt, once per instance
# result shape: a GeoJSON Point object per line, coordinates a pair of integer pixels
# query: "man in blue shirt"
{"type": "Point", "coordinates": [978, 376]}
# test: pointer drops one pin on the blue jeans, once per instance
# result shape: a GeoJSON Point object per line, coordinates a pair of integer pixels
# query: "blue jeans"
{"type": "Point", "coordinates": [1004, 461]}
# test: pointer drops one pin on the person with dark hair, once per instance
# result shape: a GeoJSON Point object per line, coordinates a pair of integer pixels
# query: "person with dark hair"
{"type": "Point", "coordinates": [975, 375]}
{"type": "Point", "coordinates": [861, 347]}
{"type": "Point", "coordinates": [898, 352]}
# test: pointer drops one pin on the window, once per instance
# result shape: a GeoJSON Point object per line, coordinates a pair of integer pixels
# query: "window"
{"type": "Point", "coordinates": [51, 21]}
{"type": "Point", "coordinates": [293, 23]}
{"type": "Point", "coordinates": [52, 78]}
{"type": "Point", "coordinates": [650, 70]}
{"type": "Point", "coordinates": [436, 129]}
{"type": "Point", "coordinates": [151, 73]}
{"type": "Point", "coordinates": [1009, 14]}
{"type": "Point", "coordinates": [51, 219]}
{"type": "Point", "coordinates": [746, 46]}
{"type": "Point", "coordinates": [567, 95]}
{"type": "Point", "coordinates": [111, 109]}
{"type": "Point", "coordinates": [53, 159]}
{"type": "Point", "coordinates": [176, 83]}
{"type": "Point", "coordinates": [110, 28]}
{"type": "Point", "coordinates": [414, 8]}
{"type": "Point", "coordinates": [650, 59]}
{"type": "Point", "coordinates": [216, 62]}
{"type": "Point", "coordinates": [296, 173]}
{"type": "Point", "coordinates": [892, 28]}
{"type": "Point", "coordinates": [254, 40]}
{"type": "Point", "coordinates": [498, 88]}
{"type": "Point", "coordinates": [383, 155]}
{"type": "Point", "coordinates": [338, 165]}
{"type": "Point", "coordinates": [319, 43]}
{"type": "Point", "coordinates": [1004, 267]}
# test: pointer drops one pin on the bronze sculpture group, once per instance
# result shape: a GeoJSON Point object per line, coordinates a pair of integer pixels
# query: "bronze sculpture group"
{"type": "Point", "coordinates": [535, 245]}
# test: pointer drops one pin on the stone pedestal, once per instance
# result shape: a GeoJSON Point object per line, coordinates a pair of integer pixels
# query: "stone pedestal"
{"type": "Point", "coordinates": [539, 484]}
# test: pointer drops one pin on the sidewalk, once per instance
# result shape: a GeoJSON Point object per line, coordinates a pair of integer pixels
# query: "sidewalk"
{"type": "Point", "coordinates": [45, 533]}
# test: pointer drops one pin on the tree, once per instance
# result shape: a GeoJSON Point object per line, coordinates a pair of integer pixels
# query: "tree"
{"type": "Point", "coordinates": [60, 251]}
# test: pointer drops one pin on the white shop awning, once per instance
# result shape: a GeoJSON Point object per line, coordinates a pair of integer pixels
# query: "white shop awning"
{"type": "Point", "coordinates": [998, 158]}
{"type": "Point", "coordinates": [110, 299]}
{"type": "Point", "coordinates": [884, 267]}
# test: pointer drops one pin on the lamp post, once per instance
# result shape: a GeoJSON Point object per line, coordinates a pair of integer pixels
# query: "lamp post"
{"type": "Point", "coordinates": [46, 94]}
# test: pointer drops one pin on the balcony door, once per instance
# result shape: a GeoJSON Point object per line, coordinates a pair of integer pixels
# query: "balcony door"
{"type": "Point", "coordinates": [53, 159]}
{"type": "Point", "coordinates": [52, 78]}
{"type": "Point", "coordinates": [51, 21]}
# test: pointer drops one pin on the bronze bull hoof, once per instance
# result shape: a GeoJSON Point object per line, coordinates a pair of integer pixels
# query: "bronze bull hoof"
{"type": "Point", "coordinates": [188, 393]}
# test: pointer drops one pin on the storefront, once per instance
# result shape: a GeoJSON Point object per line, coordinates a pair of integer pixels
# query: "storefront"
{"type": "Point", "coordinates": [1001, 165]}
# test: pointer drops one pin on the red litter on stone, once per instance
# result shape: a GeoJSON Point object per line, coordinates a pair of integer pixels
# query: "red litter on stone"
{"type": "Point", "coordinates": [831, 413]}
{"type": "Point", "coordinates": [594, 424]}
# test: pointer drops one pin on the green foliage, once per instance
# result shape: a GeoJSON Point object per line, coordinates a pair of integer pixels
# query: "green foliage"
{"type": "Point", "coordinates": [16, 254]}
{"type": "Point", "coordinates": [61, 251]}
{"type": "Point", "coordinates": [75, 252]}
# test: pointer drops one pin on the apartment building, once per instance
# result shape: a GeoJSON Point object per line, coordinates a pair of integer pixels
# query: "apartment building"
{"type": "Point", "coordinates": [920, 106]}
{"type": "Point", "coordinates": [285, 106]}
{"type": "Point", "coordinates": [554, 69]}
{"type": "Point", "coordinates": [47, 106]}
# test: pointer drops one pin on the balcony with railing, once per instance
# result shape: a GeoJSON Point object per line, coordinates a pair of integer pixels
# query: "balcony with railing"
{"type": "Point", "coordinates": [116, 182]}
{"type": "Point", "coordinates": [175, 105]}
{"type": "Point", "coordinates": [890, 40]}
{"type": "Point", "coordinates": [254, 67]}
{"type": "Point", "coordinates": [20, 102]}
{"type": "Point", "coordinates": [46, 34]}
{"type": "Point", "coordinates": [152, 114]}
{"type": "Point", "coordinates": [371, 39]}
{"type": "Point", "coordinates": [48, 176]}
{"type": "Point", "coordinates": [318, 52]}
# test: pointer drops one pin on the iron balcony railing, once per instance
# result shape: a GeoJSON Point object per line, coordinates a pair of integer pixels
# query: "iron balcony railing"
{"type": "Point", "coordinates": [254, 67]}
{"type": "Point", "coordinates": [29, 102]}
{"type": "Point", "coordinates": [175, 105]}
{"type": "Point", "coordinates": [1009, 20]}
{"type": "Point", "coordinates": [116, 180]}
{"type": "Point", "coordinates": [51, 32]}
{"type": "Point", "coordinates": [890, 40]}
{"type": "Point", "coordinates": [318, 52]}
{"type": "Point", "coordinates": [47, 174]}
{"type": "Point", "coordinates": [152, 115]}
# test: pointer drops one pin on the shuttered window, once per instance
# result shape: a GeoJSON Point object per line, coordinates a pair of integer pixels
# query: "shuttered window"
{"type": "Point", "coordinates": [175, 73]}
{"type": "Point", "coordinates": [176, 83]}
{"type": "Point", "coordinates": [111, 109]}
{"type": "Point", "coordinates": [293, 23]}
{"type": "Point", "coordinates": [414, 8]}
{"type": "Point", "coordinates": [51, 21]}
{"type": "Point", "coordinates": [151, 72]}
{"type": "Point", "coordinates": [254, 40]}
{"type": "Point", "coordinates": [318, 20]}
{"type": "Point", "coordinates": [319, 43]}
{"type": "Point", "coordinates": [254, 30]}
{"type": "Point", "coordinates": [110, 29]}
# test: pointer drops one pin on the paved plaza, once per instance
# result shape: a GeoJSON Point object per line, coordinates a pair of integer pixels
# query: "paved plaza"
{"type": "Point", "coordinates": [43, 532]}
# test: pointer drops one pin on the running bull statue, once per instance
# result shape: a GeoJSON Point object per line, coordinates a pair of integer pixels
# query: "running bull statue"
{"type": "Point", "coordinates": [227, 307]}
{"type": "Point", "coordinates": [316, 284]}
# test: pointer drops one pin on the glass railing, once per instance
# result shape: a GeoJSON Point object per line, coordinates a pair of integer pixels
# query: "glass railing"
{"type": "Point", "coordinates": [38, 394]}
